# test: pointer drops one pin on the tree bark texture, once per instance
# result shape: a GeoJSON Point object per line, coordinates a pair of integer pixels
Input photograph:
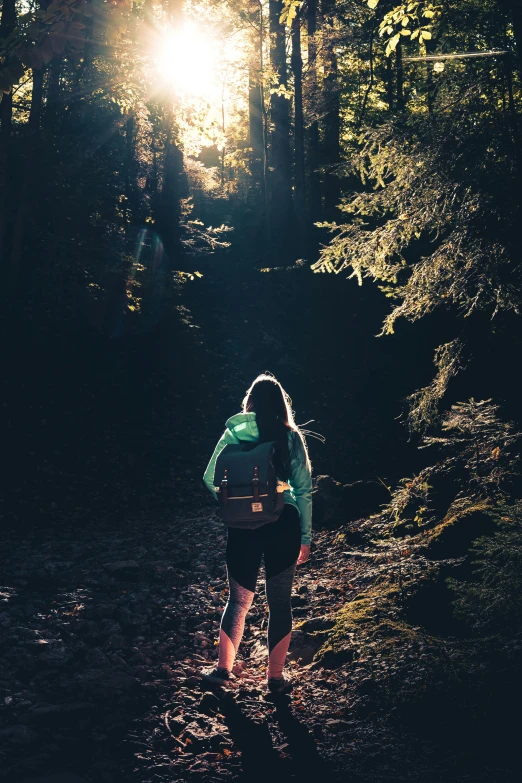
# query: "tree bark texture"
{"type": "Point", "coordinates": [255, 118]}
{"type": "Point", "coordinates": [280, 163]}
{"type": "Point", "coordinates": [331, 155]}
{"type": "Point", "coordinates": [313, 162]}
{"type": "Point", "coordinates": [7, 165]}
{"type": "Point", "coordinates": [299, 166]}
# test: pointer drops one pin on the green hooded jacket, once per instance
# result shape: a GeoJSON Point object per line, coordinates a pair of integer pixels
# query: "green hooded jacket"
{"type": "Point", "coordinates": [243, 427]}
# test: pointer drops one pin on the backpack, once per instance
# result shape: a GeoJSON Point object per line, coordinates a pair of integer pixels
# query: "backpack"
{"type": "Point", "coordinates": [246, 484]}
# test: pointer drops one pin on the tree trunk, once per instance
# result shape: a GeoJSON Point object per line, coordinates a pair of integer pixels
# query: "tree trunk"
{"type": "Point", "coordinates": [513, 10]}
{"type": "Point", "coordinates": [35, 113]}
{"type": "Point", "coordinates": [297, 68]}
{"type": "Point", "coordinates": [28, 178]}
{"type": "Point", "coordinates": [399, 76]}
{"type": "Point", "coordinates": [53, 98]}
{"type": "Point", "coordinates": [172, 191]}
{"type": "Point", "coordinates": [255, 117]}
{"type": "Point", "coordinates": [174, 187]}
{"type": "Point", "coordinates": [131, 176]}
{"type": "Point", "coordinates": [516, 17]}
{"type": "Point", "coordinates": [430, 85]}
{"type": "Point", "coordinates": [390, 96]}
{"type": "Point", "coordinates": [313, 132]}
{"type": "Point", "coordinates": [7, 25]}
{"type": "Point", "coordinates": [281, 175]}
{"type": "Point", "coordinates": [332, 120]}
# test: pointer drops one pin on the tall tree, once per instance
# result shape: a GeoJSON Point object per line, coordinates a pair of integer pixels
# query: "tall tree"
{"type": "Point", "coordinates": [256, 114]}
{"type": "Point", "coordinates": [331, 152]}
{"type": "Point", "coordinates": [281, 212]}
{"type": "Point", "coordinates": [513, 9]}
{"type": "Point", "coordinates": [7, 25]}
{"type": "Point", "coordinates": [313, 161]}
{"type": "Point", "coordinates": [299, 151]}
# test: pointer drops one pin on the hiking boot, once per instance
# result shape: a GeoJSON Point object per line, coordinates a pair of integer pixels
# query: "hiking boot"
{"type": "Point", "coordinates": [279, 686]}
{"type": "Point", "coordinates": [218, 676]}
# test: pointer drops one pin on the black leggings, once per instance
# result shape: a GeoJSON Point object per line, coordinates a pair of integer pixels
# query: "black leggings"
{"type": "Point", "coordinates": [279, 544]}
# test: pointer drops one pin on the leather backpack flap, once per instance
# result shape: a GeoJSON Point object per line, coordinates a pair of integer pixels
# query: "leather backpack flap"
{"type": "Point", "coordinates": [246, 482]}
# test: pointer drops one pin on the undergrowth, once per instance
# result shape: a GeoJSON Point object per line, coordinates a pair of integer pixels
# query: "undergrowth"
{"type": "Point", "coordinates": [476, 585]}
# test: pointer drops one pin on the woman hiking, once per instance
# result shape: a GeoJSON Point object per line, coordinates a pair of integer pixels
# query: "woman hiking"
{"type": "Point", "coordinates": [266, 416]}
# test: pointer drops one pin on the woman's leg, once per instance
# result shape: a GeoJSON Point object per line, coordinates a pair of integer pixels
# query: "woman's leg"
{"type": "Point", "coordinates": [244, 552]}
{"type": "Point", "coordinates": [281, 550]}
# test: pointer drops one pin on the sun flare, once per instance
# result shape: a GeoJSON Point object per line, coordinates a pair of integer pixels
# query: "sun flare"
{"type": "Point", "coordinates": [188, 60]}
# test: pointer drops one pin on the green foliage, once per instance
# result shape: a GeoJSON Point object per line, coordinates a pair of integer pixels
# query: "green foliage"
{"type": "Point", "coordinates": [414, 21]}
{"type": "Point", "coordinates": [479, 443]}
{"type": "Point", "coordinates": [197, 238]}
{"type": "Point", "coordinates": [492, 601]}
{"type": "Point", "coordinates": [435, 184]}
{"type": "Point", "coordinates": [289, 12]}
{"type": "Point", "coordinates": [43, 33]}
{"type": "Point", "coordinates": [424, 403]}
{"type": "Point", "coordinates": [476, 466]}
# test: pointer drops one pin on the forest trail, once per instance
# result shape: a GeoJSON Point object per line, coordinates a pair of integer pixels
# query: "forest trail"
{"type": "Point", "coordinates": [104, 634]}
{"type": "Point", "coordinates": [103, 638]}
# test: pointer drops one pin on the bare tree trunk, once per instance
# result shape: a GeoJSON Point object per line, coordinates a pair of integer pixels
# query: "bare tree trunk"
{"type": "Point", "coordinates": [35, 113]}
{"type": "Point", "coordinates": [255, 118]}
{"type": "Point", "coordinates": [53, 97]}
{"type": "Point", "coordinates": [332, 120]}
{"type": "Point", "coordinates": [370, 82]}
{"type": "Point", "coordinates": [281, 175]}
{"type": "Point", "coordinates": [399, 76]}
{"type": "Point", "coordinates": [513, 10]}
{"type": "Point", "coordinates": [513, 119]}
{"type": "Point", "coordinates": [131, 176]}
{"type": "Point", "coordinates": [172, 191]}
{"type": "Point", "coordinates": [7, 25]}
{"type": "Point", "coordinates": [516, 16]}
{"type": "Point", "coordinates": [297, 68]}
{"type": "Point", "coordinates": [313, 133]}
{"type": "Point", "coordinates": [430, 86]}
{"type": "Point", "coordinates": [390, 97]}
{"type": "Point", "coordinates": [28, 176]}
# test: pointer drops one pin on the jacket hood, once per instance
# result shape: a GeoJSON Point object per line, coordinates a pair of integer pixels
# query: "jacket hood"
{"type": "Point", "coordinates": [243, 426]}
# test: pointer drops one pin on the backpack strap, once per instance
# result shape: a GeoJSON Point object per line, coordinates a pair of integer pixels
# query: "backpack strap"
{"type": "Point", "coordinates": [255, 484]}
{"type": "Point", "coordinates": [224, 486]}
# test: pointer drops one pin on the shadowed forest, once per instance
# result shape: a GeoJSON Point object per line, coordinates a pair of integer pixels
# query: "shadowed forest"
{"type": "Point", "coordinates": [193, 192]}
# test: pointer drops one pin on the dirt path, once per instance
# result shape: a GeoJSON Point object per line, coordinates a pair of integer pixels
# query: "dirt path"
{"type": "Point", "coordinates": [103, 635]}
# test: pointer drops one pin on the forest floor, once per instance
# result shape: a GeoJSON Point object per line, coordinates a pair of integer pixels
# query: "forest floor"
{"type": "Point", "coordinates": [103, 636]}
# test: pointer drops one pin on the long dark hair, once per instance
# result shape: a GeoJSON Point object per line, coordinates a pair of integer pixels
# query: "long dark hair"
{"type": "Point", "coordinates": [274, 417]}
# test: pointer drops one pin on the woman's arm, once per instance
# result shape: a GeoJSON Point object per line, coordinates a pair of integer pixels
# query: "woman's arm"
{"type": "Point", "coordinates": [208, 476]}
{"type": "Point", "coordinates": [301, 483]}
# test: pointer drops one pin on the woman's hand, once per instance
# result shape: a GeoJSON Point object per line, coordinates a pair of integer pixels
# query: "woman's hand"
{"type": "Point", "coordinates": [304, 554]}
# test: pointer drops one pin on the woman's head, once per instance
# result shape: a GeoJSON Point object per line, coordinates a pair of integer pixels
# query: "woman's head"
{"type": "Point", "coordinates": [269, 401]}
{"type": "Point", "coordinates": [274, 417]}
